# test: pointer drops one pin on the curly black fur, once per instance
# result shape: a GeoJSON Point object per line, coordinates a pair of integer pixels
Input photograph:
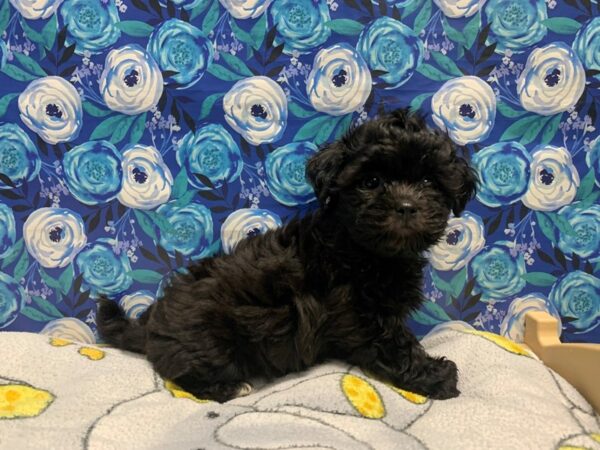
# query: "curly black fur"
{"type": "Point", "coordinates": [336, 284]}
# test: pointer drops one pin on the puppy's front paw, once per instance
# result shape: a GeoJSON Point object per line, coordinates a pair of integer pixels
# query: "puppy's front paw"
{"type": "Point", "coordinates": [441, 379]}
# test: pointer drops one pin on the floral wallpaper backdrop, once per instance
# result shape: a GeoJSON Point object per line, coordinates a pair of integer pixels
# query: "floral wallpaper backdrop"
{"type": "Point", "coordinates": [138, 135]}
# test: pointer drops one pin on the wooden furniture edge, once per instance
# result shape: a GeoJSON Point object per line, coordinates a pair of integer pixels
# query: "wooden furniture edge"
{"type": "Point", "coordinates": [579, 364]}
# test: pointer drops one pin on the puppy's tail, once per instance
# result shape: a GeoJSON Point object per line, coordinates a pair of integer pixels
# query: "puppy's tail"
{"type": "Point", "coordinates": [119, 331]}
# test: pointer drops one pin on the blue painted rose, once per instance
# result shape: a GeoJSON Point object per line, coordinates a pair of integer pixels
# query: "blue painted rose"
{"type": "Point", "coordinates": [93, 172]}
{"type": "Point", "coordinates": [286, 178]}
{"type": "Point", "coordinates": [516, 24]}
{"type": "Point", "coordinates": [577, 295]}
{"type": "Point", "coordinates": [389, 45]}
{"type": "Point", "coordinates": [103, 271]}
{"type": "Point", "coordinates": [91, 24]}
{"type": "Point", "coordinates": [244, 223]}
{"type": "Point", "coordinates": [12, 297]}
{"type": "Point", "coordinates": [587, 44]}
{"type": "Point", "coordinates": [8, 230]}
{"type": "Point", "coordinates": [585, 241]}
{"type": "Point", "coordinates": [504, 171]}
{"type": "Point", "coordinates": [19, 158]}
{"type": "Point", "coordinates": [181, 47]}
{"type": "Point", "coordinates": [212, 152]}
{"type": "Point", "coordinates": [592, 158]}
{"type": "Point", "coordinates": [191, 229]}
{"type": "Point", "coordinates": [300, 23]}
{"type": "Point", "coordinates": [498, 274]}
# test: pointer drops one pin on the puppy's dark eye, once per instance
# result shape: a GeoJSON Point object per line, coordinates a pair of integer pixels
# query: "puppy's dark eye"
{"type": "Point", "coordinates": [371, 182]}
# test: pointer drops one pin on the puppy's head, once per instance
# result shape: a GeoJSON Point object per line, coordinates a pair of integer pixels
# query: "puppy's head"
{"type": "Point", "coordinates": [392, 183]}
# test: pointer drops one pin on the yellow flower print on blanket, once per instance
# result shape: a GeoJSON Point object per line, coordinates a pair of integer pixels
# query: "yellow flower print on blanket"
{"type": "Point", "coordinates": [21, 401]}
{"type": "Point", "coordinates": [501, 341]}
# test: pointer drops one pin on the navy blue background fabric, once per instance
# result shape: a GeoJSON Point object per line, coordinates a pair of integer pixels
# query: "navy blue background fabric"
{"type": "Point", "coordinates": [136, 136]}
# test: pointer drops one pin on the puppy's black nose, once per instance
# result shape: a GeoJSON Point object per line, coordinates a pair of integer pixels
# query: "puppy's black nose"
{"type": "Point", "coordinates": [406, 209]}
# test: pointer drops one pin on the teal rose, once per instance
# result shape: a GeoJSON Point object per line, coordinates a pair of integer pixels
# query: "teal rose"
{"type": "Point", "coordinates": [286, 173]}
{"type": "Point", "coordinates": [516, 24]}
{"type": "Point", "coordinates": [300, 24]}
{"type": "Point", "coordinates": [8, 230]}
{"type": "Point", "coordinates": [19, 158]}
{"type": "Point", "coordinates": [498, 272]}
{"type": "Point", "coordinates": [93, 172]}
{"type": "Point", "coordinates": [190, 229]}
{"type": "Point", "coordinates": [212, 152]}
{"type": "Point", "coordinates": [577, 295]}
{"type": "Point", "coordinates": [387, 44]}
{"type": "Point", "coordinates": [585, 238]}
{"type": "Point", "coordinates": [504, 172]}
{"type": "Point", "coordinates": [183, 48]}
{"type": "Point", "coordinates": [103, 270]}
{"type": "Point", "coordinates": [12, 298]}
{"type": "Point", "coordinates": [587, 44]}
{"type": "Point", "coordinates": [91, 24]}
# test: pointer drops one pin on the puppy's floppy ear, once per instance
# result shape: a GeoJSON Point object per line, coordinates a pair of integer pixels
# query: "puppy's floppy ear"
{"type": "Point", "coordinates": [323, 168]}
{"type": "Point", "coordinates": [465, 183]}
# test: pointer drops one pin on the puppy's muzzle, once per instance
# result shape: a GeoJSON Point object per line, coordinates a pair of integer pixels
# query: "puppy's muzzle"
{"type": "Point", "coordinates": [406, 209]}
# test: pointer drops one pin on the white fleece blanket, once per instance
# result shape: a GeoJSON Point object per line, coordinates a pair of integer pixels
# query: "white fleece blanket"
{"type": "Point", "coordinates": [55, 394]}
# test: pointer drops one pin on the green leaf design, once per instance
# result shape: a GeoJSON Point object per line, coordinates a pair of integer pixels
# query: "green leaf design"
{"type": "Point", "coordinates": [300, 112]}
{"type": "Point", "coordinates": [146, 224]}
{"type": "Point", "coordinates": [423, 17]}
{"type": "Point", "coordinates": [240, 34]}
{"type": "Point", "coordinates": [211, 18]}
{"type": "Point", "coordinates": [32, 34]}
{"type": "Point", "coordinates": [541, 279]}
{"type": "Point", "coordinates": [66, 278]}
{"type": "Point", "coordinates": [424, 319]}
{"type": "Point", "coordinates": [180, 184]}
{"type": "Point", "coordinates": [436, 311]}
{"type": "Point", "coordinates": [561, 223]}
{"type": "Point", "coordinates": [236, 64]}
{"type": "Point", "coordinates": [17, 74]}
{"type": "Point", "coordinates": [121, 129]}
{"type": "Point", "coordinates": [138, 128]}
{"type": "Point", "coordinates": [530, 125]}
{"type": "Point", "coordinates": [562, 25]}
{"type": "Point", "coordinates": [46, 307]}
{"type": "Point", "coordinates": [345, 27]}
{"type": "Point", "coordinates": [428, 71]}
{"type": "Point", "coordinates": [457, 283]}
{"type": "Point", "coordinates": [36, 315]}
{"type": "Point", "coordinates": [94, 111]}
{"type": "Point", "coordinates": [4, 15]}
{"type": "Point", "coordinates": [439, 283]}
{"type": "Point", "coordinates": [417, 101]}
{"type": "Point", "coordinates": [326, 129]}
{"type": "Point", "coordinates": [30, 65]}
{"type": "Point", "coordinates": [446, 64]}
{"type": "Point", "coordinates": [5, 101]}
{"type": "Point", "coordinates": [452, 33]}
{"type": "Point", "coordinates": [21, 266]}
{"type": "Point", "coordinates": [135, 28]}
{"type": "Point", "coordinates": [48, 280]}
{"type": "Point", "coordinates": [208, 104]}
{"type": "Point", "coordinates": [258, 31]}
{"type": "Point", "coordinates": [145, 276]}
{"type": "Point", "coordinates": [49, 32]}
{"type": "Point", "coordinates": [587, 185]}
{"type": "Point", "coordinates": [550, 129]}
{"type": "Point", "coordinates": [223, 73]}
{"type": "Point", "coordinates": [214, 248]}
{"type": "Point", "coordinates": [534, 129]}
{"type": "Point", "coordinates": [160, 221]}
{"type": "Point", "coordinates": [107, 127]}
{"type": "Point", "coordinates": [411, 8]}
{"type": "Point", "coordinates": [14, 253]}
{"type": "Point", "coordinates": [185, 199]}
{"type": "Point", "coordinates": [310, 129]}
{"type": "Point", "coordinates": [507, 111]}
{"type": "Point", "coordinates": [199, 9]}
{"type": "Point", "coordinates": [343, 126]}
{"type": "Point", "coordinates": [546, 225]}
{"type": "Point", "coordinates": [589, 200]}
{"type": "Point", "coordinates": [471, 29]}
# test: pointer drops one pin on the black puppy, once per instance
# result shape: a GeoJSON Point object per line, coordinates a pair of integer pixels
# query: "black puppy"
{"type": "Point", "coordinates": [337, 284]}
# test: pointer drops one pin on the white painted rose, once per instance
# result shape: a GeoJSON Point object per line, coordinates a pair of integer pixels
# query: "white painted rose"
{"type": "Point", "coordinates": [463, 239]}
{"type": "Point", "coordinates": [54, 236]}
{"type": "Point", "coordinates": [244, 223]}
{"type": "Point", "coordinates": [465, 107]}
{"type": "Point", "coordinates": [552, 81]}
{"type": "Point", "coordinates": [51, 107]}
{"type": "Point", "coordinates": [134, 304]}
{"type": "Point", "coordinates": [147, 181]}
{"type": "Point", "coordinates": [340, 81]}
{"type": "Point", "coordinates": [71, 329]}
{"type": "Point", "coordinates": [246, 9]}
{"type": "Point", "coordinates": [459, 8]}
{"type": "Point", "coordinates": [554, 179]}
{"type": "Point", "coordinates": [256, 108]}
{"type": "Point", "coordinates": [513, 324]}
{"type": "Point", "coordinates": [131, 82]}
{"type": "Point", "coordinates": [36, 9]}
